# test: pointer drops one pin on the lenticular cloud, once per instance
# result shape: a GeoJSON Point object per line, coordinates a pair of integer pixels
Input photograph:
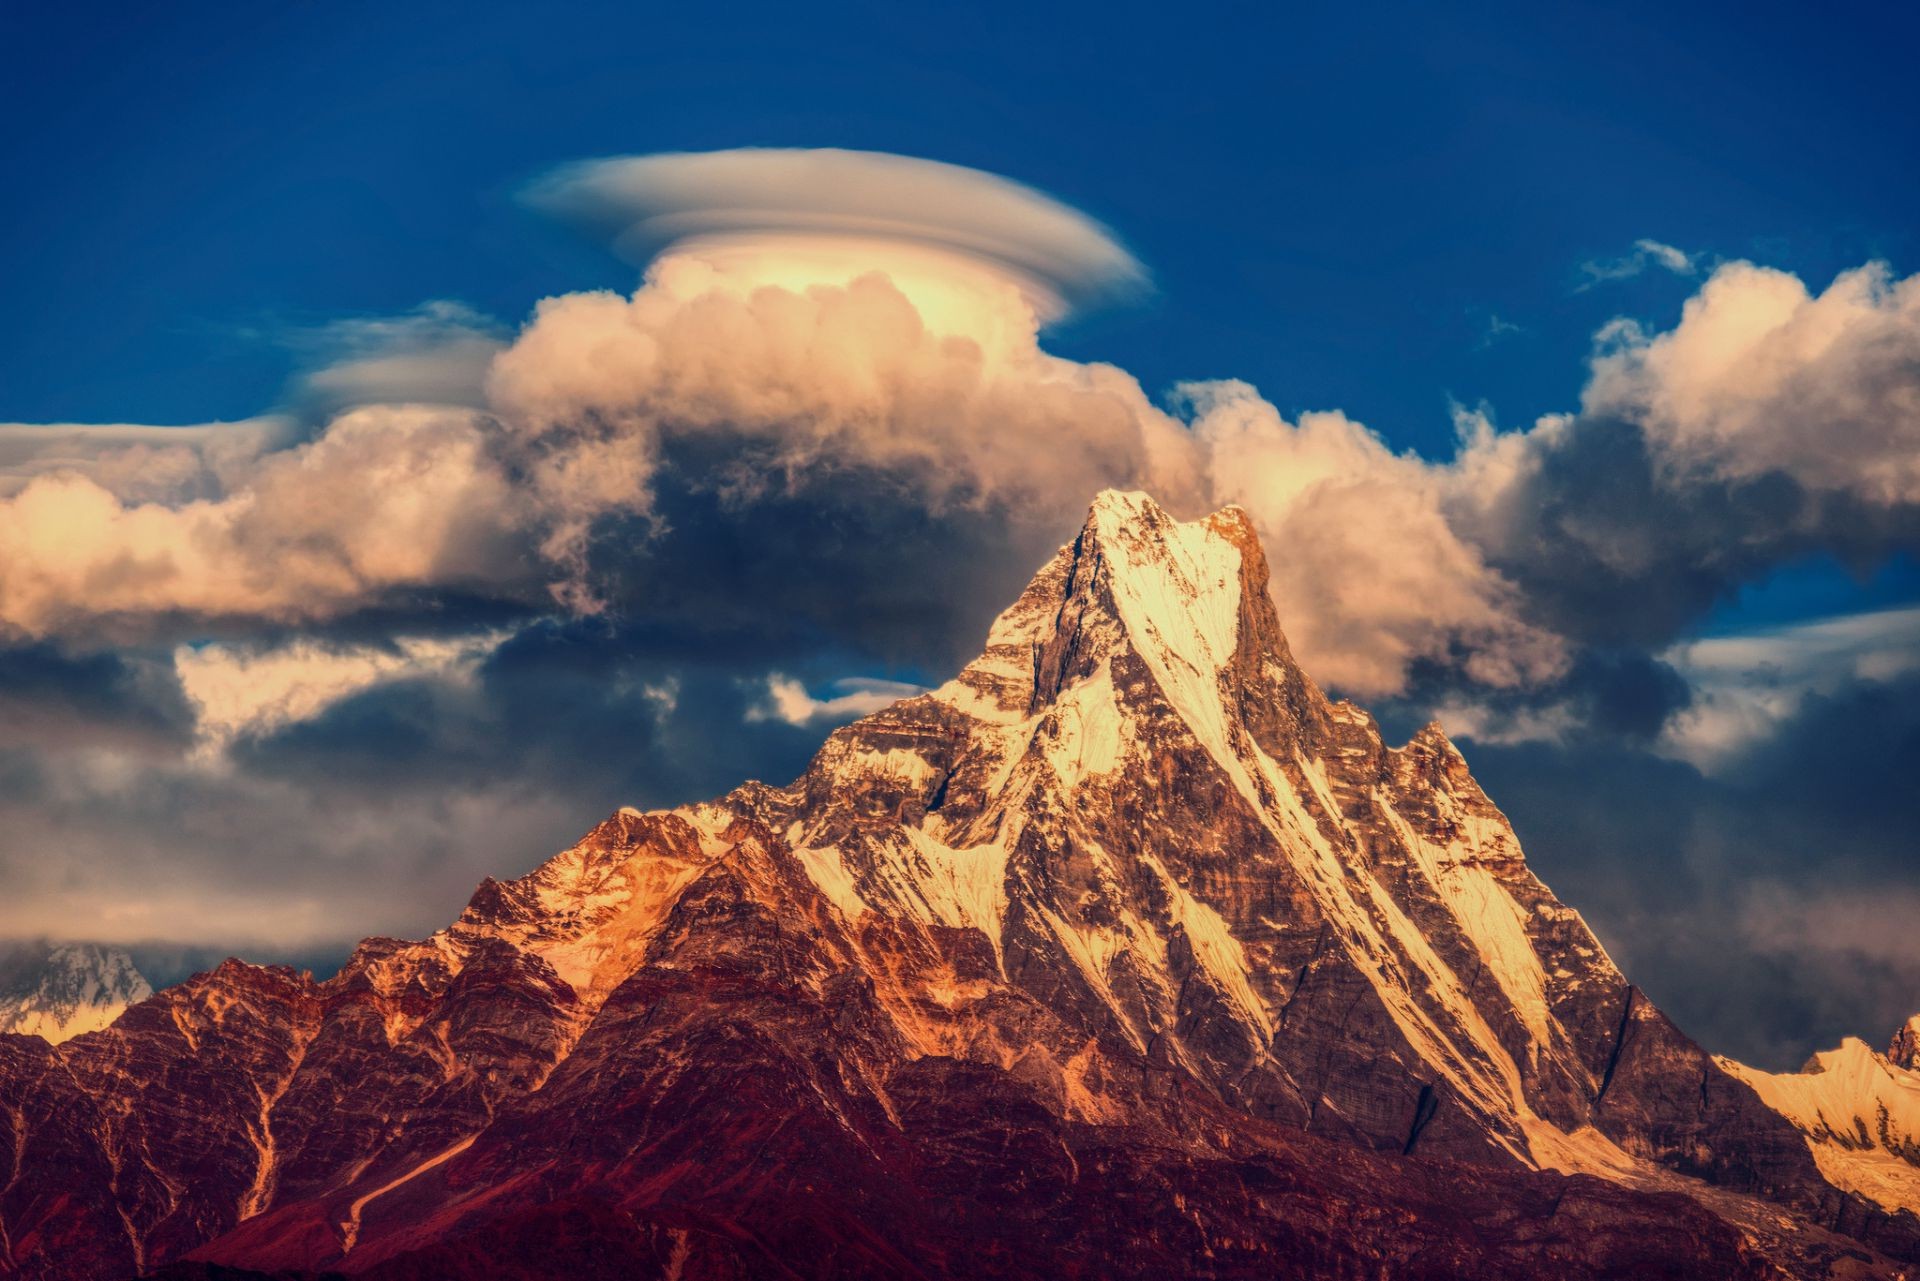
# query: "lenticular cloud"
{"type": "Point", "coordinates": [800, 212]}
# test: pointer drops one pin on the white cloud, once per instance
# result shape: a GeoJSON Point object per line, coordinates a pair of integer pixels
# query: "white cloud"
{"type": "Point", "coordinates": [751, 362]}
{"type": "Point", "coordinates": [889, 359]}
{"type": "Point", "coordinates": [1646, 254]}
{"type": "Point", "coordinates": [1746, 685]}
{"type": "Point", "coordinates": [778, 385]}
{"type": "Point", "coordinates": [788, 700]}
{"type": "Point", "coordinates": [1368, 572]}
{"type": "Point", "coordinates": [388, 498]}
{"type": "Point", "coordinates": [794, 217]}
{"type": "Point", "coordinates": [239, 692]}
{"type": "Point", "coordinates": [1761, 376]}
{"type": "Point", "coordinates": [136, 461]}
{"type": "Point", "coordinates": [436, 354]}
{"type": "Point", "coordinates": [1462, 718]}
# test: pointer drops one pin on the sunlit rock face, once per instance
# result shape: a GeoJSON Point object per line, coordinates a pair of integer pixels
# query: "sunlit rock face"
{"type": "Point", "coordinates": [1904, 1049]}
{"type": "Point", "coordinates": [1126, 952]}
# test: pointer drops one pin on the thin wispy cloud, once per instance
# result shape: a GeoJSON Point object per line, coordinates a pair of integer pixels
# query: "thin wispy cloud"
{"type": "Point", "coordinates": [1497, 329]}
{"type": "Point", "coordinates": [1647, 255]}
{"type": "Point", "coordinates": [1747, 686]}
{"type": "Point", "coordinates": [438, 353]}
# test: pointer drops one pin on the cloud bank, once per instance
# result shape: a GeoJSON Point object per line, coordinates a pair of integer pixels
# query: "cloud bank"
{"type": "Point", "coordinates": [1768, 423]}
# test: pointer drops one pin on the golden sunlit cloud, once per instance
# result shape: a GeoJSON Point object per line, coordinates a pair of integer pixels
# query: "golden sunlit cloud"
{"type": "Point", "coordinates": [974, 252]}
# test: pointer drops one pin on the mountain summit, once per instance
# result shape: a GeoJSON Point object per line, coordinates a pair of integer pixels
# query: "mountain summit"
{"type": "Point", "coordinates": [1127, 952]}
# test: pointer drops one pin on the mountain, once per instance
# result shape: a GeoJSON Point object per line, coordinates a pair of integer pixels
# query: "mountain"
{"type": "Point", "coordinates": [59, 990]}
{"type": "Point", "coordinates": [1860, 1113]}
{"type": "Point", "coordinates": [1125, 953]}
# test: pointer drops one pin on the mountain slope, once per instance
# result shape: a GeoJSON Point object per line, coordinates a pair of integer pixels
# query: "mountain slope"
{"type": "Point", "coordinates": [1860, 1113]}
{"type": "Point", "coordinates": [1126, 951]}
{"type": "Point", "coordinates": [59, 990]}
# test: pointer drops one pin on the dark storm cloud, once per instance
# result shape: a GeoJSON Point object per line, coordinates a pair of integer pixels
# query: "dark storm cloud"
{"type": "Point", "coordinates": [1767, 906]}
{"type": "Point", "coordinates": [581, 710]}
{"type": "Point", "coordinates": [381, 812]}
{"type": "Point", "coordinates": [1609, 549]}
{"type": "Point", "coordinates": [1606, 692]}
{"type": "Point", "coordinates": [1606, 552]}
{"type": "Point", "coordinates": [839, 557]}
{"type": "Point", "coordinates": [53, 699]}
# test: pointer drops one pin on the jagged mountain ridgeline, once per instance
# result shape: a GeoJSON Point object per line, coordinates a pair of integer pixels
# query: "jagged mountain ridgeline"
{"type": "Point", "coordinates": [1126, 953]}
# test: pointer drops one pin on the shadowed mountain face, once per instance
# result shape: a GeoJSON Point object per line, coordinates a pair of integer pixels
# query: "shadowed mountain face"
{"type": "Point", "coordinates": [1125, 953]}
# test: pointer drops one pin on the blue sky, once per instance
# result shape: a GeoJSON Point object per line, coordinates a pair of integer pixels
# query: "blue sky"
{"type": "Point", "coordinates": [1387, 210]}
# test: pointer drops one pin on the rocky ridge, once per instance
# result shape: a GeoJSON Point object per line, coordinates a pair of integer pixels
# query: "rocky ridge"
{"type": "Point", "coordinates": [1904, 1049]}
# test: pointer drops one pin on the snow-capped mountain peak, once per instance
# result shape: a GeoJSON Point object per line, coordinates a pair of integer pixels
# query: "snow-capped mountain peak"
{"type": "Point", "coordinates": [60, 990]}
{"type": "Point", "coordinates": [1158, 803]}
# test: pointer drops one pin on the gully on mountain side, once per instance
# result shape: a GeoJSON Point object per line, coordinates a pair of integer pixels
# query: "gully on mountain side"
{"type": "Point", "coordinates": [1126, 953]}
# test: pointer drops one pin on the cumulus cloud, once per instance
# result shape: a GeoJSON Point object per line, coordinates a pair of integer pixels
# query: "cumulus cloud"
{"type": "Point", "coordinates": [389, 499]}
{"type": "Point", "coordinates": [626, 438]}
{"type": "Point", "coordinates": [1762, 376]}
{"type": "Point", "coordinates": [920, 381]}
{"type": "Point", "coordinates": [618, 445]}
{"type": "Point", "coordinates": [136, 462]}
{"type": "Point", "coordinates": [478, 586]}
{"type": "Point", "coordinates": [766, 389]}
{"type": "Point", "coordinates": [1370, 576]}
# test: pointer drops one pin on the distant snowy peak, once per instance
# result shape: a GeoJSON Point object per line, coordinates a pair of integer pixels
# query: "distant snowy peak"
{"type": "Point", "coordinates": [1860, 1113]}
{"type": "Point", "coordinates": [57, 991]}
